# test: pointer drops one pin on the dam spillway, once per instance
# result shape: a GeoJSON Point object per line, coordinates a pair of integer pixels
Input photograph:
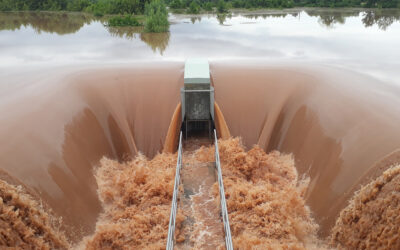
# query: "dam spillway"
{"type": "Point", "coordinates": [294, 114]}
{"type": "Point", "coordinates": [197, 112]}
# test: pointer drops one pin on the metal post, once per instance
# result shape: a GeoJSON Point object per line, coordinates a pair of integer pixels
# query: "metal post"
{"type": "Point", "coordinates": [172, 218]}
{"type": "Point", "coordinates": [224, 211]}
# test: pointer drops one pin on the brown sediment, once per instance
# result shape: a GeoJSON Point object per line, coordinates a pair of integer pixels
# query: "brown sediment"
{"type": "Point", "coordinates": [24, 223]}
{"type": "Point", "coordinates": [372, 219]}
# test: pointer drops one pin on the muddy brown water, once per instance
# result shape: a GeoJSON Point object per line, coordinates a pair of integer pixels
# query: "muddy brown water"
{"type": "Point", "coordinates": [339, 135]}
{"type": "Point", "coordinates": [202, 228]}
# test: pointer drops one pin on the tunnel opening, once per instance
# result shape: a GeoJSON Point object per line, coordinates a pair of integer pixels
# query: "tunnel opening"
{"type": "Point", "coordinates": [197, 98]}
{"type": "Point", "coordinates": [197, 129]}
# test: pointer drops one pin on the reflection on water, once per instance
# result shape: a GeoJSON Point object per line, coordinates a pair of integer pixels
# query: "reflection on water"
{"type": "Point", "coordinates": [195, 19]}
{"type": "Point", "coordinates": [125, 32]}
{"type": "Point", "coordinates": [329, 17]}
{"type": "Point", "coordinates": [221, 18]}
{"type": "Point", "coordinates": [337, 37]}
{"type": "Point", "coordinates": [65, 23]}
{"type": "Point", "coordinates": [382, 18]}
{"type": "Point", "coordinates": [158, 42]}
{"type": "Point", "coordinates": [52, 22]}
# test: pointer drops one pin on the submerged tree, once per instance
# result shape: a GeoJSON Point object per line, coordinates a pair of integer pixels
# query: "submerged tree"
{"type": "Point", "coordinates": [194, 8]}
{"type": "Point", "coordinates": [221, 6]}
{"type": "Point", "coordinates": [156, 17]}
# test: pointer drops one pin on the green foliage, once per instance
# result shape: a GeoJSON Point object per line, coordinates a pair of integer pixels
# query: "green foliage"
{"type": "Point", "coordinates": [237, 4]}
{"type": "Point", "coordinates": [348, 3]}
{"type": "Point", "coordinates": [208, 6]}
{"type": "Point", "coordinates": [78, 5]}
{"type": "Point", "coordinates": [98, 14]}
{"type": "Point", "coordinates": [114, 7]}
{"type": "Point", "coordinates": [221, 18]}
{"type": "Point", "coordinates": [94, 6]}
{"type": "Point", "coordinates": [194, 8]}
{"type": "Point", "coordinates": [176, 4]}
{"type": "Point", "coordinates": [221, 6]}
{"type": "Point", "coordinates": [156, 17]}
{"type": "Point", "coordinates": [127, 20]}
{"type": "Point", "coordinates": [103, 7]}
{"type": "Point", "coordinates": [250, 4]}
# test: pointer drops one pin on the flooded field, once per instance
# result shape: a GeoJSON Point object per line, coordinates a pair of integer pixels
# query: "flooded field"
{"type": "Point", "coordinates": [361, 40]}
{"type": "Point", "coordinates": [313, 95]}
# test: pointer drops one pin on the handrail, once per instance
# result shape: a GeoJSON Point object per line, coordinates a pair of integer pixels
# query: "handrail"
{"type": "Point", "coordinates": [225, 218]}
{"type": "Point", "coordinates": [172, 218]}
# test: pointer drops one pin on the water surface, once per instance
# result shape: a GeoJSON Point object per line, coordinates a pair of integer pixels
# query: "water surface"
{"type": "Point", "coordinates": [362, 40]}
{"type": "Point", "coordinates": [319, 83]}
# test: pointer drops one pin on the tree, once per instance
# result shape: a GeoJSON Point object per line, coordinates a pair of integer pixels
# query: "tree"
{"type": "Point", "coordinates": [156, 17]}
{"type": "Point", "coordinates": [78, 5]}
{"type": "Point", "coordinates": [194, 8]}
{"type": "Point", "coordinates": [176, 4]}
{"type": "Point", "coordinates": [208, 6]}
{"type": "Point", "coordinates": [221, 6]}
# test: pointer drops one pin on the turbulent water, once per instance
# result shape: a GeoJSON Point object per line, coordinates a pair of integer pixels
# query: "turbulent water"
{"type": "Point", "coordinates": [337, 138]}
{"type": "Point", "coordinates": [136, 198]}
{"type": "Point", "coordinates": [316, 89]}
{"type": "Point", "coordinates": [25, 223]}
{"type": "Point", "coordinates": [265, 199]}
{"type": "Point", "coordinates": [372, 219]}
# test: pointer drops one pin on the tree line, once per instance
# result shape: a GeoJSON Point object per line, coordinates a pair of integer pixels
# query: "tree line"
{"type": "Point", "coordinates": [101, 7]}
{"type": "Point", "coordinates": [155, 11]}
{"type": "Point", "coordinates": [95, 6]}
{"type": "Point", "coordinates": [208, 5]}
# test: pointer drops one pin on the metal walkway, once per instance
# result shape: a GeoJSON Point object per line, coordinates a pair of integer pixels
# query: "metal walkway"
{"type": "Point", "coordinates": [223, 213]}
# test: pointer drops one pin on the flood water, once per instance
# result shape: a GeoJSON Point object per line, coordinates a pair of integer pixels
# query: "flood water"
{"type": "Point", "coordinates": [366, 41]}
{"type": "Point", "coordinates": [321, 84]}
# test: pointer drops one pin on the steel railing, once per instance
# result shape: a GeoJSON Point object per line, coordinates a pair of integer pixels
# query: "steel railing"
{"type": "Point", "coordinates": [172, 218]}
{"type": "Point", "coordinates": [224, 211]}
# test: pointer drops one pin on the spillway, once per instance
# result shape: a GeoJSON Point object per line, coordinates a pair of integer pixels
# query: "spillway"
{"type": "Point", "coordinates": [340, 127]}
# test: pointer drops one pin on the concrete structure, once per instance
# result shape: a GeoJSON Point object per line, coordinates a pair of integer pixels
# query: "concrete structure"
{"type": "Point", "coordinates": [197, 95]}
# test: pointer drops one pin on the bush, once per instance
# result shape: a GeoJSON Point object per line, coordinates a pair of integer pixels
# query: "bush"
{"type": "Point", "coordinates": [238, 4]}
{"type": "Point", "coordinates": [98, 14]}
{"type": "Point", "coordinates": [208, 6]}
{"type": "Point", "coordinates": [176, 4]}
{"type": "Point", "coordinates": [127, 20]}
{"type": "Point", "coordinates": [194, 8]}
{"type": "Point", "coordinates": [221, 6]}
{"type": "Point", "coordinates": [114, 7]}
{"type": "Point", "coordinates": [156, 17]}
{"type": "Point", "coordinates": [78, 5]}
